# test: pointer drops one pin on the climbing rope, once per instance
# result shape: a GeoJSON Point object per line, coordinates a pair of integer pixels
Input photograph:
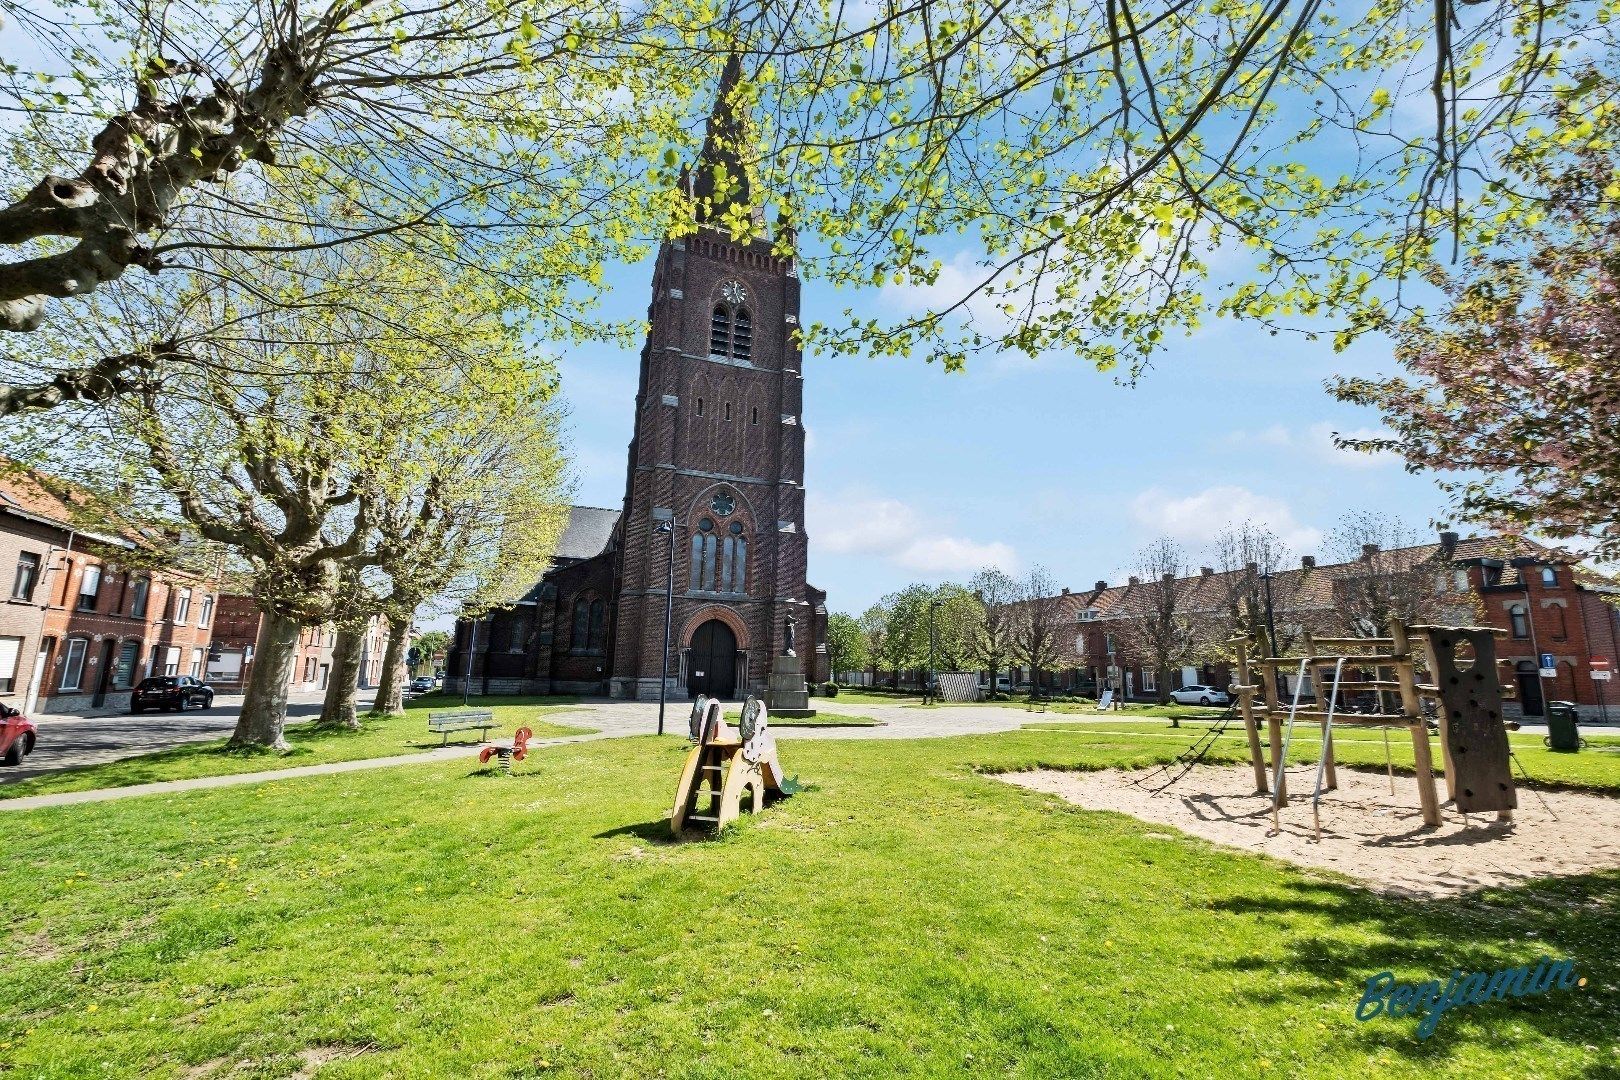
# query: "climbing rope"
{"type": "Point", "coordinates": [1195, 753]}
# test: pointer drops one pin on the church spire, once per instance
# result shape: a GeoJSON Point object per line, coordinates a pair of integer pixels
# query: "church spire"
{"type": "Point", "coordinates": [720, 179]}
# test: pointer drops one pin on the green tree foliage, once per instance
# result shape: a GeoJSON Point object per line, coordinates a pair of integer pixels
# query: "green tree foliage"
{"type": "Point", "coordinates": [991, 642]}
{"type": "Point", "coordinates": [430, 644]}
{"type": "Point", "coordinates": [846, 644]}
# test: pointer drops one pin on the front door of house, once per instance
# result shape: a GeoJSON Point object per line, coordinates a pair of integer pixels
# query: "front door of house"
{"type": "Point", "coordinates": [104, 673]}
{"type": "Point", "coordinates": [713, 660]}
{"type": "Point", "coordinates": [1530, 689]}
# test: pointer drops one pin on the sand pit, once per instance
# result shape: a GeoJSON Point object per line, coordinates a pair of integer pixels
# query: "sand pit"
{"type": "Point", "coordinates": [1367, 833]}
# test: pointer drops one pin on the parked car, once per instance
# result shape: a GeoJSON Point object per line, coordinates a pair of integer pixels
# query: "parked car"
{"type": "Point", "coordinates": [422, 684]}
{"type": "Point", "coordinates": [1197, 694]}
{"type": "Point", "coordinates": [17, 735]}
{"type": "Point", "coordinates": [179, 692]}
{"type": "Point", "coordinates": [1003, 685]}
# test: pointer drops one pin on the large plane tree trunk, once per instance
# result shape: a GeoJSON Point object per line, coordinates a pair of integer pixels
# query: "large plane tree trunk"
{"type": "Point", "coordinates": [339, 709]}
{"type": "Point", "coordinates": [391, 686]}
{"type": "Point", "coordinates": [264, 706]}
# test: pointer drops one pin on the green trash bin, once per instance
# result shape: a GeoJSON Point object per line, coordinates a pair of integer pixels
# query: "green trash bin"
{"type": "Point", "coordinates": [1562, 734]}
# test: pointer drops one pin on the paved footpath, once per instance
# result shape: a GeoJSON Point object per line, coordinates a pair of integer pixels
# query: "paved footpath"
{"type": "Point", "coordinates": [612, 719]}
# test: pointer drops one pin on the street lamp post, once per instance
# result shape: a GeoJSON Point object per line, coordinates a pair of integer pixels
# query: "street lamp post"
{"type": "Point", "coordinates": [1271, 631]}
{"type": "Point", "coordinates": [466, 669]}
{"type": "Point", "coordinates": [933, 606]}
{"type": "Point", "coordinates": [666, 526]}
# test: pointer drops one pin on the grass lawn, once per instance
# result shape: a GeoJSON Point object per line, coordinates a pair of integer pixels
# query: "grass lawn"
{"type": "Point", "coordinates": [1597, 767]}
{"type": "Point", "coordinates": [821, 719]}
{"type": "Point", "coordinates": [378, 737]}
{"type": "Point", "coordinates": [908, 914]}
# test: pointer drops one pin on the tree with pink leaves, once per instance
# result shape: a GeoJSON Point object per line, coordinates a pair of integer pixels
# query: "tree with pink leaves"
{"type": "Point", "coordinates": [1514, 388]}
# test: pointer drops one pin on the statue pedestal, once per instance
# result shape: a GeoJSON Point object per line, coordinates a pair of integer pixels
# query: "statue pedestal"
{"type": "Point", "coordinates": [785, 694]}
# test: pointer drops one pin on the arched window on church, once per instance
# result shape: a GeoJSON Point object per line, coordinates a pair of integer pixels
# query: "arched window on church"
{"type": "Point", "coordinates": [731, 331]}
{"type": "Point", "coordinates": [705, 545]}
{"type": "Point", "coordinates": [734, 561]}
{"type": "Point", "coordinates": [720, 331]}
{"type": "Point", "coordinates": [598, 639]}
{"type": "Point", "coordinates": [580, 640]}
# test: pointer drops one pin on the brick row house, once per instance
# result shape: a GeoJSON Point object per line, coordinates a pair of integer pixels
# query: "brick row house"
{"type": "Point", "coordinates": [236, 636]}
{"type": "Point", "coordinates": [1545, 600]}
{"type": "Point", "coordinates": [87, 616]}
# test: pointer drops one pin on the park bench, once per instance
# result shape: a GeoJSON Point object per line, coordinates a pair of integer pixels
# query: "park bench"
{"type": "Point", "coordinates": [443, 723]}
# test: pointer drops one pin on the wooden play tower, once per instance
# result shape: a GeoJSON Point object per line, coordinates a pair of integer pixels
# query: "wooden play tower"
{"type": "Point", "coordinates": [721, 766]}
{"type": "Point", "coordinates": [1463, 687]}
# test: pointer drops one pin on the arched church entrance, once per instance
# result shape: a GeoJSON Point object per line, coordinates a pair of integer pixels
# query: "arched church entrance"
{"type": "Point", "coordinates": [712, 663]}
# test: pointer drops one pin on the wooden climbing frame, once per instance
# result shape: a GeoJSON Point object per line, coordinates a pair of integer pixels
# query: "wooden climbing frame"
{"type": "Point", "coordinates": [1467, 696]}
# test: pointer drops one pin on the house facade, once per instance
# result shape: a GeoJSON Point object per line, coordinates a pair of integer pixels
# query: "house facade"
{"type": "Point", "coordinates": [1545, 601]}
{"type": "Point", "coordinates": [88, 617]}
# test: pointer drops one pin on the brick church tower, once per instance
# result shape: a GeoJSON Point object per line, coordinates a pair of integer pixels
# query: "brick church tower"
{"type": "Point", "coordinates": [713, 494]}
{"type": "Point", "coordinates": [719, 451]}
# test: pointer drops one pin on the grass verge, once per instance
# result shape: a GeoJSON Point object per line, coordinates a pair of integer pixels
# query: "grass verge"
{"type": "Point", "coordinates": [378, 737]}
{"type": "Point", "coordinates": [906, 915]}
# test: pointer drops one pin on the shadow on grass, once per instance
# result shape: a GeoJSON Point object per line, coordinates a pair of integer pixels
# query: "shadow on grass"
{"type": "Point", "coordinates": [653, 832]}
{"type": "Point", "coordinates": [1482, 932]}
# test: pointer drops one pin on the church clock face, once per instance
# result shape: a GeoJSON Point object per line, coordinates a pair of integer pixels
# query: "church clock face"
{"type": "Point", "coordinates": [723, 504]}
{"type": "Point", "coordinates": [732, 292]}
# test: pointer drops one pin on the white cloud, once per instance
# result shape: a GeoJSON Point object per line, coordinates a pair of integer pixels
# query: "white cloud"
{"type": "Point", "coordinates": [1317, 441]}
{"type": "Point", "coordinates": [1200, 517]}
{"type": "Point", "coordinates": [893, 530]}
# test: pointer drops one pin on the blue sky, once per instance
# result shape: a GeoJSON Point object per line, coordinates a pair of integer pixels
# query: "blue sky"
{"type": "Point", "coordinates": [915, 474]}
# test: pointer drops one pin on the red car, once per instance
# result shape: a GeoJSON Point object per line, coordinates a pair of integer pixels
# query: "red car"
{"type": "Point", "coordinates": [17, 734]}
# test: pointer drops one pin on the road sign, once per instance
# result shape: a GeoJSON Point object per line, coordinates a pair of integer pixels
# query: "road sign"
{"type": "Point", "coordinates": [1549, 666]}
{"type": "Point", "coordinates": [1599, 675]}
{"type": "Point", "coordinates": [1599, 663]}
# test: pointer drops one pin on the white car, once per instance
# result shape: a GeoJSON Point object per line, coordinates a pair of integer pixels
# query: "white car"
{"type": "Point", "coordinates": [1200, 695]}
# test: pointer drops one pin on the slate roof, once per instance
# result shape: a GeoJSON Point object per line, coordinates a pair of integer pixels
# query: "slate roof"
{"type": "Point", "coordinates": [587, 533]}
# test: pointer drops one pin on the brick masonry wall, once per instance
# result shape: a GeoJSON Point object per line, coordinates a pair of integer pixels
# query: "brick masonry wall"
{"type": "Point", "coordinates": [112, 625]}
{"type": "Point", "coordinates": [24, 618]}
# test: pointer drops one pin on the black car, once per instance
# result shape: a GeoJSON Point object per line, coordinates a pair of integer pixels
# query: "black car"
{"type": "Point", "coordinates": [180, 692]}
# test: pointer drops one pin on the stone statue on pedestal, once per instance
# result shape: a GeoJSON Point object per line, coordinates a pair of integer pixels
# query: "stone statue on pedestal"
{"type": "Point", "coordinates": [787, 638]}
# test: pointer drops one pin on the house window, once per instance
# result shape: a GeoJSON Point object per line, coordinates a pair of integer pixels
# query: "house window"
{"type": "Point", "coordinates": [1086, 615]}
{"type": "Point", "coordinates": [207, 614]}
{"type": "Point", "coordinates": [73, 664]}
{"type": "Point", "coordinates": [1150, 681]}
{"type": "Point", "coordinates": [27, 576]}
{"type": "Point", "coordinates": [10, 651]}
{"type": "Point", "coordinates": [590, 627]}
{"type": "Point", "coordinates": [89, 587]}
{"type": "Point", "coordinates": [171, 660]}
{"type": "Point", "coordinates": [309, 669]}
{"type": "Point", "coordinates": [1560, 625]}
{"type": "Point", "coordinates": [1549, 577]}
{"type": "Point", "coordinates": [137, 605]}
{"type": "Point", "coordinates": [1520, 621]}
{"type": "Point", "coordinates": [182, 606]}
{"type": "Point", "coordinates": [124, 673]}
{"type": "Point", "coordinates": [1491, 575]}
{"type": "Point", "coordinates": [1108, 643]}
{"type": "Point", "coordinates": [1459, 578]}
{"type": "Point", "coordinates": [196, 663]}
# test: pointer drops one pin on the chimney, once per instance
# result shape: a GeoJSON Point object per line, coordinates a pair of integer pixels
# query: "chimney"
{"type": "Point", "coordinates": [1065, 592]}
{"type": "Point", "coordinates": [1167, 578]}
{"type": "Point", "coordinates": [1134, 580]}
{"type": "Point", "coordinates": [1368, 550]}
{"type": "Point", "coordinates": [1307, 562]}
{"type": "Point", "coordinates": [1101, 585]}
{"type": "Point", "coordinates": [1206, 571]}
{"type": "Point", "coordinates": [1448, 545]}
{"type": "Point", "coordinates": [1252, 567]}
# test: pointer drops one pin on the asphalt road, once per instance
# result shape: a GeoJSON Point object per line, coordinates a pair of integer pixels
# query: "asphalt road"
{"type": "Point", "coordinates": [67, 742]}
